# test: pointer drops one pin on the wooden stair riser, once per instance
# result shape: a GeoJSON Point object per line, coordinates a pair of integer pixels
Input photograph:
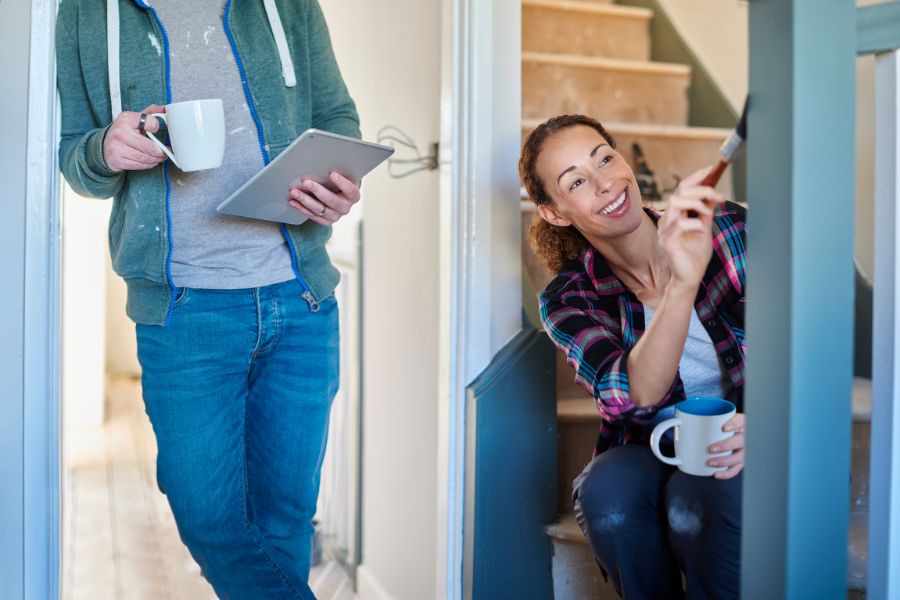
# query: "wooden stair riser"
{"type": "Point", "coordinates": [607, 94]}
{"type": "Point", "coordinates": [560, 27]}
{"type": "Point", "coordinates": [576, 446]}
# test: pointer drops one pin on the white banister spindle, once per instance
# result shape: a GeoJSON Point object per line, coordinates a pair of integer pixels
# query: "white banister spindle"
{"type": "Point", "coordinates": [884, 519]}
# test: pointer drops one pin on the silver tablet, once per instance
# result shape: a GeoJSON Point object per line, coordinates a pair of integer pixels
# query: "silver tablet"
{"type": "Point", "coordinates": [315, 154]}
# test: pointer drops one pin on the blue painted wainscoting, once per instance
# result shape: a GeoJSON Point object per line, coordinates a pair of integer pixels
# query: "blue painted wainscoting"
{"type": "Point", "coordinates": [511, 413]}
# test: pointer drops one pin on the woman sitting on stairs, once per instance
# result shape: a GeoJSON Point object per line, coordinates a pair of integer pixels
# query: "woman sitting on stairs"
{"type": "Point", "coordinates": [649, 309]}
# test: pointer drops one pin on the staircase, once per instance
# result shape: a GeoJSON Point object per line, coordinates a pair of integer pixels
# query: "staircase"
{"type": "Point", "coordinates": [593, 57]}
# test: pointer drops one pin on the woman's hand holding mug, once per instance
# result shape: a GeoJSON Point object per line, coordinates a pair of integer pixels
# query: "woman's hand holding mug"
{"type": "Point", "coordinates": [126, 149]}
{"type": "Point", "coordinates": [709, 440]}
{"type": "Point", "coordinates": [734, 444]}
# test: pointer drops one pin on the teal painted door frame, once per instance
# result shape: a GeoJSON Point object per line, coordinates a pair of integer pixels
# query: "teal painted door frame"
{"type": "Point", "coordinates": [801, 183]}
{"type": "Point", "coordinates": [801, 157]}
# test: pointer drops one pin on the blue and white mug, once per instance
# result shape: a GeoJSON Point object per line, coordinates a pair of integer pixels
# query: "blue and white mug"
{"type": "Point", "coordinates": [698, 424]}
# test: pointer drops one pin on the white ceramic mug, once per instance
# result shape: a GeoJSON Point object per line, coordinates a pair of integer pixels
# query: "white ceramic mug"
{"type": "Point", "coordinates": [698, 424]}
{"type": "Point", "coordinates": [197, 132]}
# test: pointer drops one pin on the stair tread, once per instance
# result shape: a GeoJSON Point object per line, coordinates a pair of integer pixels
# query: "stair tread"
{"type": "Point", "coordinates": [615, 64]}
{"type": "Point", "coordinates": [652, 130]}
{"type": "Point", "coordinates": [567, 529]}
{"type": "Point", "coordinates": [611, 10]}
{"type": "Point", "coordinates": [580, 407]}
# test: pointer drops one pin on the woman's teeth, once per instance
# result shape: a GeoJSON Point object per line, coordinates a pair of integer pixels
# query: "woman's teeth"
{"type": "Point", "coordinates": [619, 201]}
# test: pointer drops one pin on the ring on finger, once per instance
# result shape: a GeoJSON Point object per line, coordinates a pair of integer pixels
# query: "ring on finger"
{"type": "Point", "coordinates": [141, 123]}
{"type": "Point", "coordinates": [320, 213]}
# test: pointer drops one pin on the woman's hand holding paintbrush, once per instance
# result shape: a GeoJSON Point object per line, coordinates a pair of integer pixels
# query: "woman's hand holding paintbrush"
{"type": "Point", "coordinates": [729, 152]}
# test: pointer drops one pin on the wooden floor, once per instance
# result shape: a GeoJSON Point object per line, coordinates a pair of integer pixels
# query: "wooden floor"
{"type": "Point", "coordinates": [119, 537]}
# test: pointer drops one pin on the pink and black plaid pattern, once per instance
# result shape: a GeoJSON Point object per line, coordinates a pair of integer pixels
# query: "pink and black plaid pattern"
{"type": "Point", "coordinates": [595, 320]}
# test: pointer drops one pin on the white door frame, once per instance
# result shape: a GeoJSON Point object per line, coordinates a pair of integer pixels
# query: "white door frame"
{"type": "Point", "coordinates": [29, 355]}
{"type": "Point", "coordinates": [884, 495]}
{"type": "Point", "coordinates": [480, 240]}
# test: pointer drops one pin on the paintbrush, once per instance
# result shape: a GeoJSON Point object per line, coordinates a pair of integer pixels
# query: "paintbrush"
{"type": "Point", "coordinates": [729, 152]}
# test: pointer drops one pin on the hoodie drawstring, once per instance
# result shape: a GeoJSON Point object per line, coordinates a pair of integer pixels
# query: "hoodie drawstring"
{"type": "Point", "coordinates": [284, 53]}
{"type": "Point", "coordinates": [112, 52]}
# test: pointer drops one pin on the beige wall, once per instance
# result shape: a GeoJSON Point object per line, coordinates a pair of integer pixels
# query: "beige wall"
{"type": "Point", "coordinates": [389, 53]}
{"type": "Point", "coordinates": [717, 32]}
{"type": "Point", "coordinates": [83, 308]}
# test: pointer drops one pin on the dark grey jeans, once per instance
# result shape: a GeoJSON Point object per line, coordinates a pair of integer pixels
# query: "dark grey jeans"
{"type": "Point", "coordinates": [647, 523]}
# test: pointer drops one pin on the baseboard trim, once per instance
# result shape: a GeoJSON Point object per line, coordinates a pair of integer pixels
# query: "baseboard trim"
{"type": "Point", "coordinates": [370, 588]}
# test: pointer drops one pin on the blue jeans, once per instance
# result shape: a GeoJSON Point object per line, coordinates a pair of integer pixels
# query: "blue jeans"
{"type": "Point", "coordinates": [238, 388]}
{"type": "Point", "coordinates": [646, 523]}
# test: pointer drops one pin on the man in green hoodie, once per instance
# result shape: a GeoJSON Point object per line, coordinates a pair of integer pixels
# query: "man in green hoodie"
{"type": "Point", "coordinates": [237, 324]}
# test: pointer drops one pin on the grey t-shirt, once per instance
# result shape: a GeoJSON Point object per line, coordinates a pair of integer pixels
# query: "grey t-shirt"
{"type": "Point", "coordinates": [700, 371]}
{"type": "Point", "coordinates": [211, 250]}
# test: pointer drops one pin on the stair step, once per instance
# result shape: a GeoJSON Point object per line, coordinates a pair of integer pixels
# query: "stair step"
{"type": "Point", "coordinates": [586, 29]}
{"type": "Point", "coordinates": [608, 89]}
{"type": "Point", "coordinates": [574, 404]}
{"type": "Point", "coordinates": [576, 575]}
{"type": "Point", "coordinates": [583, 576]}
{"type": "Point", "coordinates": [565, 529]}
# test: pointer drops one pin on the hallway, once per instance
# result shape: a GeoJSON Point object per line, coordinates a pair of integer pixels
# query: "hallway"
{"type": "Point", "coordinates": [119, 536]}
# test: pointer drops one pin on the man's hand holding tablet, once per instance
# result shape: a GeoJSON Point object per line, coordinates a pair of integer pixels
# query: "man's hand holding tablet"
{"type": "Point", "coordinates": [316, 178]}
{"type": "Point", "coordinates": [320, 204]}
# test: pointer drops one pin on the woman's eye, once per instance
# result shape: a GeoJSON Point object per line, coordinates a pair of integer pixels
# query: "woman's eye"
{"type": "Point", "coordinates": [606, 160]}
{"type": "Point", "coordinates": [575, 184]}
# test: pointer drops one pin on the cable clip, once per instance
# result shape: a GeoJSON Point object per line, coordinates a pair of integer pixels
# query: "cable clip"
{"type": "Point", "coordinates": [399, 168]}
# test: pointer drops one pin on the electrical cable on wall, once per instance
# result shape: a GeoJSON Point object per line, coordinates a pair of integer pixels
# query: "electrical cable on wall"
{"type": "Point", "coordinates": [399, 168]}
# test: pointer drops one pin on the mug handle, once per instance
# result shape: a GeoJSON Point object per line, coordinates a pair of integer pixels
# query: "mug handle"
{"type": "Point", "coordinates": [161, 117]}
{"type": "Point", "coordinates": [656, 436]}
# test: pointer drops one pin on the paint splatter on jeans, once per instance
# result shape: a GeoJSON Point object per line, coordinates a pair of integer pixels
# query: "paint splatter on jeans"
{"type": "Point", "coordinates": [657, 532]}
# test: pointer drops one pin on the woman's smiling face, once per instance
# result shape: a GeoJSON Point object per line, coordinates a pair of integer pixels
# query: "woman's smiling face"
{"type": "Point", "coordinates": [591, 185]}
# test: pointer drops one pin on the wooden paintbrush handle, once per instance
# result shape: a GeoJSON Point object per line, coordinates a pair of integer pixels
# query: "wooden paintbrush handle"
{"type": "Point", "coordinates": [711, 180]}
{"type": "Point", "coordinates": [713, 177]}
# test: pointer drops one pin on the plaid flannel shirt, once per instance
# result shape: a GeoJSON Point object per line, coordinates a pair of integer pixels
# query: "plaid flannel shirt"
{"type": "Point", "coordinates": [596, 320]}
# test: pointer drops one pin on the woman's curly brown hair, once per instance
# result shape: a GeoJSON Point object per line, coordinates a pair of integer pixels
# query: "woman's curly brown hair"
{"type": "Point", "coordinates": [554, 245]}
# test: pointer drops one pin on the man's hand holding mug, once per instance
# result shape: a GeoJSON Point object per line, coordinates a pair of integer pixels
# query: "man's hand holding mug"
{"type": "Point", "coordinates": [125, 148]}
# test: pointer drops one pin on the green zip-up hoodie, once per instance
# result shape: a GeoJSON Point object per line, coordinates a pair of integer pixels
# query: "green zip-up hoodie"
{"type": "Point", "coordinates": [139, 228]}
